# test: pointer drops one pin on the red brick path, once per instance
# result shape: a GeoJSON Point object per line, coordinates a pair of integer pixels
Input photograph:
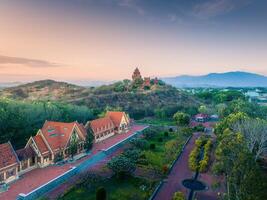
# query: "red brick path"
{"type": "Point", "coordinates": [38, 177]}
{"type": "Point", "coordinates": [180, 171]}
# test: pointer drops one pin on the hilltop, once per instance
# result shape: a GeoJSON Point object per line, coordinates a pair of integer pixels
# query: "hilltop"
{"type": "Point", "coordinates": [42, 90]}
{"type": "Point", "coordinates": [229, 79]}
{"type": "Point", "coordinates": [120, 95]}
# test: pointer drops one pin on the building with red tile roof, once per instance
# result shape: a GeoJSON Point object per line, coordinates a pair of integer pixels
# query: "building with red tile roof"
{"type": "Point", "coordinates": [114, 122]}
{"type": "Point", "coordinates": [54, 138]}
{"type": "Point", "coordinates": [8, 163]}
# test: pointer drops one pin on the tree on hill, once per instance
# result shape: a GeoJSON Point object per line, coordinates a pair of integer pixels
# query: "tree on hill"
{"type": "Point", "coordinates": [101, 194]}
{"type": "Point", "coordinates": [181, 119]}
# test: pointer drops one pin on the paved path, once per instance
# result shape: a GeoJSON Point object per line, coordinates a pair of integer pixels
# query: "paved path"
{"type": "Point", "coordinates": [180, 171]}
{"type": "Point", "coordinates": [38, 177]}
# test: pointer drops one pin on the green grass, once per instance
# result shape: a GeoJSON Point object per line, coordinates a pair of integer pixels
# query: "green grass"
{"type": "Point", "coordinates": [130, 188]}
{"type": "Point", "coordinates": [157, 157]}
{"type": "Point", "coordinates": [157, 121]}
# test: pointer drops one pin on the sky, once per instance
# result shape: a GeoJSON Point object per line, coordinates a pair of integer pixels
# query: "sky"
{"type": "Point", "coordinates": [82, 40]}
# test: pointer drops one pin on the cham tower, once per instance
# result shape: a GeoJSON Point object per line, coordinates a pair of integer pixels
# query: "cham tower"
{"type": "Point", "coordinates": [136, 75]}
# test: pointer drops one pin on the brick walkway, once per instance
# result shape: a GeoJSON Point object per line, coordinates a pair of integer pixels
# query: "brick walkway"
{"type": "Point", "coordinates": [179, 172]}
{"type": "Point", "coordinates": [38, 177]}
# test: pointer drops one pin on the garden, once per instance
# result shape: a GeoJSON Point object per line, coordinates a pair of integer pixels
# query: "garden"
{"type": "Point", "coordinates": [152, 153]}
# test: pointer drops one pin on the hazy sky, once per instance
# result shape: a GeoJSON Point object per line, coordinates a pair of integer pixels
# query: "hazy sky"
{"type": "Point", "coordinates": [78, 40]}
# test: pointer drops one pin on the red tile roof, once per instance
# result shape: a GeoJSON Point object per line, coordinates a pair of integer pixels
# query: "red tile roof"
{"type": "Point", "coordinates": [57, 134]}
{"type": "Point", "coordinates": [7, 155]}
{"type": "Point", "coordinates": [41, 144]}
{"type": "Point", "coordinates": [104, 123]}
{"type": "Point", "coordinates": [25, 153]}
{"type": "Point", "coordinates": [115, 116]}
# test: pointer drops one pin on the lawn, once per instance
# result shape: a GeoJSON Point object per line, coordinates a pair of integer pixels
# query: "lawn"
{"type": "Point", "coordinates": [157, 121]}
{"type": "Point", "coordinates": [166, 149]}
{"type": "Point", "coordinates": [130, 188]}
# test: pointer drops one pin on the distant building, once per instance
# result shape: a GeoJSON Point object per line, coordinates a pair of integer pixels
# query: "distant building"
{"type": "Point", "coordinates": [113, 123]}
{"type": "Point", "coordinates": [136, 75]}
{"type": "Point", "coordinates": [146, 82]}
{"type": "Point", "coordinates": [201, 117]}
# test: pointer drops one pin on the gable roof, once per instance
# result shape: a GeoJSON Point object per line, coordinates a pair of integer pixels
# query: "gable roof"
{"type": "Point", "coordinates": [25, 153]}
{"type": "Point", "coordinates": [115, 116]}
{"type": "Point", "coordinates": [101, 123]}
{"type": "Point", "coordinates": [57, 134]}
{"type": "Point", "coordinates": [7, 155]}
{"type": "Point", "coordinates": [41, 144]}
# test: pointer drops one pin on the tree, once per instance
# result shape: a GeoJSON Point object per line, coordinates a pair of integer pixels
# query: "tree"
{"type": "Point", "coordinates": [255, 134]}
{"type": "Point", "coordinates": [178, 196]}
{"type": "Point", "coordinates": [121, 166]}
{"type": "Point", "coordinates": [89, 139]}
{"type": "Point", "coordinates": [203, 109]}
{"type": "Point", "coordinates": [101, 194]}
{"type": "Point", "coordinates": [73, 148]}
{"type": "Point", "coordinates": [181, 118]}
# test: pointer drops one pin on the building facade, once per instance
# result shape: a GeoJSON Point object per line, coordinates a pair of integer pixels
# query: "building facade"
{"type": "Point", "coordinates": [9, 163]}
{"type": "Point", "coordinates": [113, 123]}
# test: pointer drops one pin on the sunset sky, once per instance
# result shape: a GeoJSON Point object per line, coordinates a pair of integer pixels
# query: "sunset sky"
{"type": "Point", "coordinates": [80, 40]}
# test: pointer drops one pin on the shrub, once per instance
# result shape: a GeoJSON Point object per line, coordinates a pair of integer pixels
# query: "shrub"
{"type": "Point", "coordinates": [58, 157]}
{"type": "Point", "coordinates": [139, 143]}
{"type": "Point", "coordinates": [101, 194]}
{"type": "Point", "coordinates": [160, 139]}
{"type": "Point", "coordinates": [166, 134]}
{"type": "Point", "coordinates": [170, 129]}
{"type": "Point", "coordinates": [178, 196]}
{"type": "Point", "coordinates": [121, 166]}
{"type": "Point", "coordinates": [132, 154]}
{"type": "Point", "coordinates": [152, 146]}
{"type": "Point", "coordinates": [187, 131]}
{"type": "Point", "coordinates": [165, 169]}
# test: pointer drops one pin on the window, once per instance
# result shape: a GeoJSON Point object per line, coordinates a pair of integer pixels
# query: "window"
{"type": "Point", "coordinates": [10, 173]}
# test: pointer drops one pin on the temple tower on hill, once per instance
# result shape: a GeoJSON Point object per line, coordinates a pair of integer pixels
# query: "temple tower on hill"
{"type": "Point", "coordinates": [136, 74]}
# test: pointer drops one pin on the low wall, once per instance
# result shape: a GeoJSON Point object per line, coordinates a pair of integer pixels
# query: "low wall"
{"type": "Point", "coordinates": [40, 191]}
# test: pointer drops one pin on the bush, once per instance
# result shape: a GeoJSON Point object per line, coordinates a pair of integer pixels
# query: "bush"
{"type": "Point", "coordinates": [160, 139]}
{"type": "Point", "coordinates": [166, 134]}
{"type": "Point", "coordinates": [58, 157]}
{"type": "Point", "coordinates": [132, 154]}
{"type": "Point", "coordinates": [187, 131]}
{"type": "Point", "coordinates": [121, 166]}
{"type": "Point", "coordinates": [165, 169]}
{"type": "Point", "coordinates": [178, 196]}
{"type": "Point", "coordinates": [139, 143]}
{"type": "Point", "coordinates": [152, 146]}
{"type": "Point", "coordinates": [170, 129]}
{"type": "Point", "coordinates": [101, 194]}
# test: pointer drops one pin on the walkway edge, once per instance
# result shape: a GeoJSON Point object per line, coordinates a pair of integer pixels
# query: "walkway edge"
{"type": "Point", "coordinates": [154, 194]}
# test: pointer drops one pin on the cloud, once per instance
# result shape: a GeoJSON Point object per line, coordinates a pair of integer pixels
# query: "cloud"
{"type": "Point", "coordinates": [132, 4]}
{"type": "Point", "coordinates": [26, 62]}
{"type": "Point", "coordinates": [213, 8]}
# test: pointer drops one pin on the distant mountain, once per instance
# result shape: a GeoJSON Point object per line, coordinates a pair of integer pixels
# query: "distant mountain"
{"type": "Point", "coordinates": [9, 84]}
{"type": "Point", "coordinates": [229, 79]}
{"type": "Point", "coordinates": [44, 89]}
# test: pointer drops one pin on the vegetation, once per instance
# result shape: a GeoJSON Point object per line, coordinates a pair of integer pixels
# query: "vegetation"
{"type": "Point", "coordinates": [181, 119]}
{"type": "Point", "coordinates": [20, 120]}
{"type": "Point", "coordinates": [200, 155]}
{"type": "Point", "coordinates": [158, 149]}
{"type": "Point", "coordinates": [178, 196]}
{"type": "Point", "coordinates": [124, 189]}
{"type": "Point", "coordinates": [101, 193]}
{"type": "Point", "coordinates": [237, 156]}
{"type": "Point", "coordinates": [89, 139]}
{"type": "Point", "coordinates": [122, 166]}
